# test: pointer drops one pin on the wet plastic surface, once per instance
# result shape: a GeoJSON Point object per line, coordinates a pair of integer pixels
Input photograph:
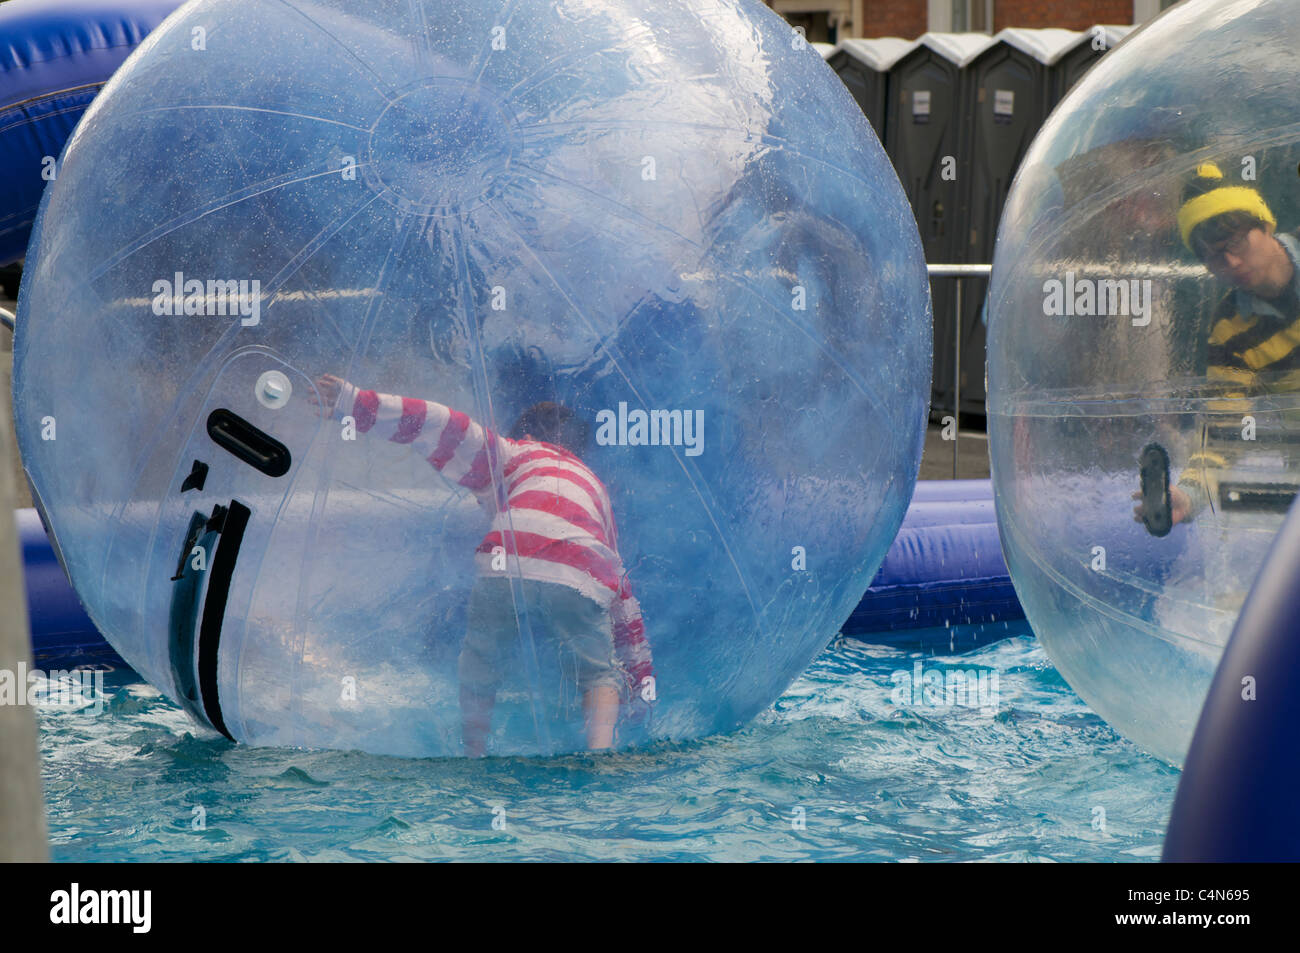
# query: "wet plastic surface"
{"type": "Point", "coordinates": [1108, 333]}
{"type": "Point", "coordinates": [484, 207]}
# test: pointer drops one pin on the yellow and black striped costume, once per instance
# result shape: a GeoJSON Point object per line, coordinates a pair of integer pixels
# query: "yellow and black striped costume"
{"type": "Point", "coordinates": [1253, 350]}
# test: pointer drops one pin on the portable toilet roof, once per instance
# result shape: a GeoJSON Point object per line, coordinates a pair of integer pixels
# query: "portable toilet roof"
{"type": "Point", "coordinates": [1047, 45]}
{"type": "Point", "coordinates": [960, 48]}
{"type": "Point", "coordinates": [1114, 32]}
{"type": "Point", "coordinates": [1071, 62]}
{"type": "Point", "coordinates": [1050, 45]}
{"type": "Point", "coordinates": [879, 54]}
{"type": "Point", "coordinates": [825, 49]}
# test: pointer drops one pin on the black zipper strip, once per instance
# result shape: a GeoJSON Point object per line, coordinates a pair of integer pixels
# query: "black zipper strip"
{"type": "Point", "coordinates": [214, 611]}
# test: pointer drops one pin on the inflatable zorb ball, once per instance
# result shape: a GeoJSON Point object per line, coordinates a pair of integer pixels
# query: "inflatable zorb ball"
{"type": "Point", "coordinates": [673, 221]}
{"type": "Point", "coordinates": [1142, 308]}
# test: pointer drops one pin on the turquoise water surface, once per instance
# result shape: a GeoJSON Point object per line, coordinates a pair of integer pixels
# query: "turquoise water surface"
{"type": "Point", "coordinates": [854, 762]}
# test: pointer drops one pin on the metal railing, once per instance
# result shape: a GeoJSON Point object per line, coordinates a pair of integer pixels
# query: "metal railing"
{"type": "Point", "coordinates": [958, 272]}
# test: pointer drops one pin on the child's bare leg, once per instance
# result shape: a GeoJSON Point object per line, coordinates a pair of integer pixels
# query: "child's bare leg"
{"type": "Point", "coordinates": [601, 707]}
{"type": "Point", "coordinates": [476, 719]}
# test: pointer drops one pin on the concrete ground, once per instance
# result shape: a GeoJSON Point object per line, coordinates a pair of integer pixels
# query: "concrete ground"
{"type": "Point", "coordinates": [937, 463]}
{"type": "Point", "coordinates": [971, 460]}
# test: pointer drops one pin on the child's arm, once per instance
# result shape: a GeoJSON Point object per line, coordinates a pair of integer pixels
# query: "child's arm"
{"type": "Point", "coordinates": [1234, 383]}
{"type": "Point", "coordinates": [453, 444]}
{"type": "Point", "coordinates": [1198, 482]}
{"type": "Point", "coordinates": [631, 645]}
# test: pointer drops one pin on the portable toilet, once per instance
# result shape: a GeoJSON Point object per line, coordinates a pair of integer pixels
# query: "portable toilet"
{"type": "Point", "coordinates": [1079, 57]}
{"type": "Point", "coordinates": [923, 122]}
{"type": "Point", "coordinates": [1006, 93]}
{"type": "Point", "coordinates": [864, 67]}
{"type": "Point", "coordinates": [1006, 101]}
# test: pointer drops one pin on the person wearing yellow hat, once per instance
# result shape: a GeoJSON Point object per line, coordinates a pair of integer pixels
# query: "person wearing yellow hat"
{"type": "Point", "coordinates": [1231, 229]}
{"type": "Point", "coordinates": [1254, 342]}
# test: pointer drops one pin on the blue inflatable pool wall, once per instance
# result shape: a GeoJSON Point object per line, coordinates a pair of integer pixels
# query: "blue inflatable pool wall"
{"type": "Point", "coordinates": [54, 58]}
{"type": "Point", "coordinates": [944, 569]}
{"type": "Point", "coordinates": [942, 584]}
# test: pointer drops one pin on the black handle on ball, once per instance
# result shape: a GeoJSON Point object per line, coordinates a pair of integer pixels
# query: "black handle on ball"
{"type": "Point", "coordinates": [1157, 507]}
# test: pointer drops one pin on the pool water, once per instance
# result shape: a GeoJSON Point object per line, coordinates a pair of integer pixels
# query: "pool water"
{"type": "Point", "coordinates": [866, 757]}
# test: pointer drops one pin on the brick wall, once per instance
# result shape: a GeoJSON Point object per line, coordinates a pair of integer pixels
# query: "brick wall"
{"type": "Point", "coordinates": [905, 18]}
{"type": "Point", "coordinates": [1069, 14]}
{"type": "Point", "coordinates": [909, 18]}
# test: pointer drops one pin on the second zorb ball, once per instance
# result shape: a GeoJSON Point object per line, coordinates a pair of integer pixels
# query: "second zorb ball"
{"type": "Point", "coordinates": [455, 377]}
{"type": "Point", "coordinates": [1143, 339]}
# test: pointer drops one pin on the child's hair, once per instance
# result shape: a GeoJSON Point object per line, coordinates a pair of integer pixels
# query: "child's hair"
{"type": "Point", "coordinates": [1223, 227]}
{"type": "Point", "coordinates": [553, 423]}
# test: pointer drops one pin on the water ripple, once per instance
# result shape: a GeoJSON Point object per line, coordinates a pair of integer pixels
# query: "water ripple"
{"type": "Point", "coordinates": [852, 763]}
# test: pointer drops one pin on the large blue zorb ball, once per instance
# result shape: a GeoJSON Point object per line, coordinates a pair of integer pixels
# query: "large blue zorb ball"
{"type": "Point", "coordinates": [670, 219]}
{"type": "Point", "coordinates": [1122, 313]}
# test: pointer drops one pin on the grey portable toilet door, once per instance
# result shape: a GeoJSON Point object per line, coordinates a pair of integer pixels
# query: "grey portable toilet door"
{"type": "Point", "coordinates": [921, 135]}
{"type": "Point", "coordinates": [864, 66]}
{"type": "Point", "coordinates": [865, 87]}
{"type": "Point", "coordinates": [922, 131]}
{"type": "Point", "coordinates": [1005, 96]}
{"type": "Point", "coordinates": [1070, 67]}
{"type": "Point", "coordinates": [1006, 107]}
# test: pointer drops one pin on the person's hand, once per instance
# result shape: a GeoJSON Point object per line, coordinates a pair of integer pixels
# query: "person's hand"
{"type": "Point", "coordinates": [326, 394]}
{"type": "Point", "coordinates": [640, 709]}
{"type": "Point", "coordinates": [639, 713]}
{"type": "Point", "coordinates": [1180, 506]}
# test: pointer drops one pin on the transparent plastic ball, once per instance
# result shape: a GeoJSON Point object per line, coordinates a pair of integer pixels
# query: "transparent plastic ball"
{"type": "Point", "coordinates": [440, 378]}
{"type": "Point", "coordinates": [1143, 293]}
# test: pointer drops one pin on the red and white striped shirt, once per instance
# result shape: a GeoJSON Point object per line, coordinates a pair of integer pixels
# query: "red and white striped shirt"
{"type": "Point", "coordinates": [551, 515]}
